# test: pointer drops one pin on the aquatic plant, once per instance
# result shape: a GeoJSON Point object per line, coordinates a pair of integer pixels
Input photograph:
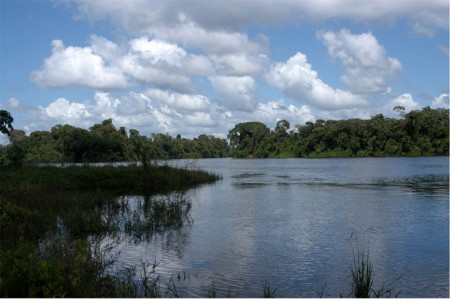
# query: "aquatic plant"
{"type": "Point", "coordinates": [362, 275]}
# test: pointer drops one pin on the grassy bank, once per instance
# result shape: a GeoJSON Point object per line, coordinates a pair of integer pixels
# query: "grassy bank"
{"type": "Point", "coordinates": [52, 221]}
{"type": "Point", "coordinates": [121, 179]}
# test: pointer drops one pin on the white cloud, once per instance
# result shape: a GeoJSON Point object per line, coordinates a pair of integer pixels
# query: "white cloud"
{"type": "Point", "coordinates": [157, 51]}
{"type": "Point", "coordinates": [198, 65]}
{"type": "Point", "coordinates": [105, 48]}
{"type": "Point", "coordinates": [133, 104]}
{"type": "Point", "coordinates": [368, 67]}
{"type": "Point", "coordinates": [274, 111]}
{"type": "Point", "coordinates": [184, 102]}
{"type": "Point", "coordinates": [406, 100]}
{"type": "Point", "coordinates": [106, 65]}
{"type": "Point", "coordinates": [63, 109]}
{"type": "Point", "coordinates": [442, 101]}
{"type": "Point", "coordinates": [239, 64]}
{"type": "Point", "coordinates": [153, 111]}
{"type": "Point", "coordinates": [218, 42]}
{"type": "Point", "coordinates": [156, 62]}
{"type": "Point", "coordinates": [77, 66]}
{"type": "Point", "coordinates": [238, 93]}
{"type": "Point", "coordinates": [298, 80]}
{"type": "Point", "coordinates": [149, 16]}
{"type": "Point", "coordinates": [13, 102]}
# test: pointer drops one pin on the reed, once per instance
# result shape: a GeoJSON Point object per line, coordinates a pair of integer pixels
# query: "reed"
{"type": "Point", "coordinates": [362, 275]}
{"type": "Point", "coordinates": [121, 179]}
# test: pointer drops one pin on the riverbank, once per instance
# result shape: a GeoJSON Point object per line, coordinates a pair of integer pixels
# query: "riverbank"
{"type": "Point", "coordinates": [53, 219]}
{"type": "Point", "coordinates": [120, 179]}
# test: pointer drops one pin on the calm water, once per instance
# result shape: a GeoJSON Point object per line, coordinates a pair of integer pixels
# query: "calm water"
{"type": "Point", "coordinates": [297, 222]}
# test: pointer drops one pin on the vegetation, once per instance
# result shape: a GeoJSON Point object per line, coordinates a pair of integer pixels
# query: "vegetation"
{"type": "Point", "coordinates": [104, 143]}
{"type": "Point", "coordinates": [53, 219]}
{"type": "Point", "coordinates": [6, 121]}
{"type": "Point", "coordinates": [417, 133]}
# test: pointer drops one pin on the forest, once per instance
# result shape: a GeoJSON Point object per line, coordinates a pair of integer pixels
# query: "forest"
{"type": "Point", "coordinates": [417, 133]}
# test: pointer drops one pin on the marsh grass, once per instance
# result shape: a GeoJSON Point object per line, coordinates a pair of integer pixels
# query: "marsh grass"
{"type": "Point", "coordinates": [269, 291]}
{"type": "Point", "coordinates": [362, 275]}
{"type": "Point", "coordinates": [119, 179]}
{"type": "Point", "coordinates": [53, 221]}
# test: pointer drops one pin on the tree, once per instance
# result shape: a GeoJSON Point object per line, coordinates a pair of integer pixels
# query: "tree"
{"type": "Point", "coordinates": [400, 110]}
{"type": "Point", "coordinates": [6, 122]}
{"type": "Point", "coordinates": [281, 127]}
{"type": "Point", "coordinates": [245, 138]}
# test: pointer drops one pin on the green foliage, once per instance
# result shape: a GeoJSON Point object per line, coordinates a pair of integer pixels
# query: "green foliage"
{"type": "Point", "coordinates": [417, 133]}
{"type": "Point", "coordinates": [103, 143]}
{"type": "Point", "coordinates": [53, 220]}
{"type": "Point", "coordinates": [246, 139]}
{"type": "Point", "coordinates": [6, 121]}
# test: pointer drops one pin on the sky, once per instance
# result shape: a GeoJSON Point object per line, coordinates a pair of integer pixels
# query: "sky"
{"type": "Point", "coordinates": [201, 67]}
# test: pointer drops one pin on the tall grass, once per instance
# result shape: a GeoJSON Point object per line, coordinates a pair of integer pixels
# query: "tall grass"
{"type": "Point", "coordinates": [121, 179]}
{"type": "Point", "coordinates": [52, 221]}
{"type": "Point", "coordinates": [362, 276]}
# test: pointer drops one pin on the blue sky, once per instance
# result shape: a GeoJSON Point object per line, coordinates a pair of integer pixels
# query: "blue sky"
{"type": "Point", "coordinates": [200, 67]}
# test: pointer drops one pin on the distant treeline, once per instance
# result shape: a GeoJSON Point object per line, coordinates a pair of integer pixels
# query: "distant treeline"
{"type": "Point", "coordinates": [104, 143]}
{"type": "Point", "coordinates": [417, 133]}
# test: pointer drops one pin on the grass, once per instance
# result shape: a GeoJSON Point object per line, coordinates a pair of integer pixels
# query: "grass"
{"type": "Point", "coordinates": [121, 179]}
{"type": "Point", "coordinates": [53, 219]}
{"type": "Point", "coordinates": [362, 276]}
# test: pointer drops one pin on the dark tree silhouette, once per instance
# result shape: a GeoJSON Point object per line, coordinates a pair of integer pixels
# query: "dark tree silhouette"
{"type": "Point", "coordinates": [5, 122]}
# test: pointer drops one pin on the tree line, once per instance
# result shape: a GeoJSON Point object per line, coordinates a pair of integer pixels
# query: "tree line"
{"type": "Point", "coordinates": [417, 133]}
{"type": "Point", "coordinates": [104, 143]}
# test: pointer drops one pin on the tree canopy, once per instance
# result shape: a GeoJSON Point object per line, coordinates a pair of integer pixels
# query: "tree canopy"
{"type": "Point", "coordinates": [417, 133]}
{"type": "Point", "coordinates": [6, 121]}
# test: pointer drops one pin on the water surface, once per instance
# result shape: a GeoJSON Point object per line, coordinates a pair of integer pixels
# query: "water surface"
{"type": "Point", "coordinates": [297, 223]}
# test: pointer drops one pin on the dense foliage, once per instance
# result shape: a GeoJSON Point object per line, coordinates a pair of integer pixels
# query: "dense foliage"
{"type": "Point", "coordinates": [417, 133]}
{"type": "Point", "coordinates": [104, 143]}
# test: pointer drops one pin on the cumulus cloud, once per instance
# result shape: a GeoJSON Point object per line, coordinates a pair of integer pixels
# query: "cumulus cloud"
{"type": "Point", "coordinates": [152, 111]}
{"type": "Point", "coordinates": [238, 92]}
{"type": "Point", "coordinates": [198, 65]}
{"type": "Point", "coordinates": [298, 80]}
{"type": "Point", "coordinates": [368, 69]}
{"type": "Point", "coordinates": [274, 111]}
{"type": "Point", "coordinates": [184, 102]}
{"type": "Point", "coordinates": [149, 16]}
{"type": "Point", "coordinates": [239, 64]}
{"type": "Point", "coordinates": [156, 62]}
{"type": "Point", "coordinates": [157, 51]}
{"type": "Point", "coordinates": [77, 66]}
{"type": "Point", "coordinates": [442, 101]}
{"type": "Point", "coordinates": [406, 100]}
{"type": "Point", "coordinates": [62, 108]}
{"type": "Point", "coordinates": [106, 65]}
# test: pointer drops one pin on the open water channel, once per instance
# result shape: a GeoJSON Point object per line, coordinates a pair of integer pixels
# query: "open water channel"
{"type": "Point", "coordinates": [298, 223]}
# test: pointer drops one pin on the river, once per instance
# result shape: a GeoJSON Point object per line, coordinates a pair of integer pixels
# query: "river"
{"type": "Point", "coordinates": [298, 224]}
